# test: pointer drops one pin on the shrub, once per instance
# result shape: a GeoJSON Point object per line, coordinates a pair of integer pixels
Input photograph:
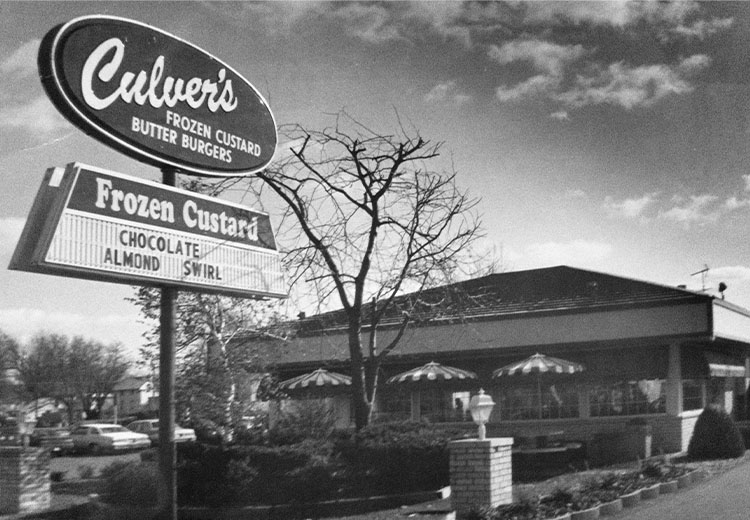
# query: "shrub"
{"type": "Point", "coordinates": [397, 458]}
{"type": "Point", "coordinates": [482, 513]}
{"type": "Point", "coordinates": [527, 506]}
{"type": "Point", "coordinates": [715, 436]}
{"type": "Point", "coordinates": [745, 432]}
{"type": "Point", "coordinates": [215, 475]}
{"type": "Point", "coordinates": [49, 419]}
{"type": "Point", "coordinates": [309, 419]}
{"type": "Point", "coordinates": [653, 470]}
{"type": "Point", "coordinates": [114, 468]}
{"type": "Point", "coordinates": [132, 484]}
{"type": "Point", "coordinates": [150, 455]}
{"type": "Point", "coordinates": [383, 459]}
{"type": "Point", "coordinates": [86, 472]}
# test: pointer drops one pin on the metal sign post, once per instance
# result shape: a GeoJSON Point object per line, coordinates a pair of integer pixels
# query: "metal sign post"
{"type": "Point", "coordinates": [167, 491]}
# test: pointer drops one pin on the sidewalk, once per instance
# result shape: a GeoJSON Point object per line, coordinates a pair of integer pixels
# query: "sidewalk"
{"type": "Point", "coordinates": [725, 496]}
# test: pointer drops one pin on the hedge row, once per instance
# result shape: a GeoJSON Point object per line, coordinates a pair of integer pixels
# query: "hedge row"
{"type": "Point", "coordinates": [378, 460]}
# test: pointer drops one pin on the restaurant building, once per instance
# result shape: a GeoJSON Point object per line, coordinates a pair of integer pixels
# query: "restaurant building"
{"type": "Point", "coordinates": [651, 356]}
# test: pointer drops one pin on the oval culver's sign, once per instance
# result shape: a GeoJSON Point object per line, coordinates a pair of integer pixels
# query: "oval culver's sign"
{"type": "Point", "coordinates": [156, 97]}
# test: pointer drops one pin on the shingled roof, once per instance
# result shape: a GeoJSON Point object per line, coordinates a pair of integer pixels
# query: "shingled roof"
{"type": "Point", "coordinates": [553, 289]}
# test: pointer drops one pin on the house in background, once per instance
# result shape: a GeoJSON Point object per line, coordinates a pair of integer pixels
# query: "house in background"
{"type": "Point", "coordinates": [134, 394]}
{"type": "Point", "coordinates": [654, 356]}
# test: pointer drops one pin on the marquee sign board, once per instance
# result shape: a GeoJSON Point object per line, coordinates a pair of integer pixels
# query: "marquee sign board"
{"type": "Point", "coordinates": [156, 97]}
{"type": "Point", "coordinates": [91, 223]}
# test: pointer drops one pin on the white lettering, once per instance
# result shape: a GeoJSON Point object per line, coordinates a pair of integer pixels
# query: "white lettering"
{"type": "Point", "coordinates": [194, 92]}
{"type": "Point", "coordinates": [106, 73]}
{"type": "Point", "coordinates": [103, 187]}
{"type": "Point", "coordinates": [132, 203]}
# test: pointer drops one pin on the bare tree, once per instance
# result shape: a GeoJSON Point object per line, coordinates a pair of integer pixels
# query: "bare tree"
{"type": "Point", "coordinates": [373, 220]}
{"type": "Point", "coordinates": [211, 371]}
{"type": "Point", "coordinates": [76, 372]}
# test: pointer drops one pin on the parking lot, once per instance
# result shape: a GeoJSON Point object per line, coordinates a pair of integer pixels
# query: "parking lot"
{"type": "Point", "coordinates": [77, 467]}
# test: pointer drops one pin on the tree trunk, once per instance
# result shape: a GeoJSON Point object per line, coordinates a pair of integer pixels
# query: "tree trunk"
{"type": "Point", "coordinates": [372, 367]}
{"type": "Point", "coordinates": [362, 404]}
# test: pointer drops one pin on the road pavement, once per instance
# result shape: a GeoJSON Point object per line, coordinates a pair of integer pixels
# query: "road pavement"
{"type": "Point", "coordinates": [725, 496]}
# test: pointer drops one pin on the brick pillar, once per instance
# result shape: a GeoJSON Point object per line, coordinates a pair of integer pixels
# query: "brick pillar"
{"type": "Point", "coordinates": [480, 473]}
{"type": "Point", "coordinates": [24, 480]}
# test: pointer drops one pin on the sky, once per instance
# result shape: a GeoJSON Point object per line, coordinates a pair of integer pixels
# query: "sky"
{"type": "Point", "coordinates": [612, 136]}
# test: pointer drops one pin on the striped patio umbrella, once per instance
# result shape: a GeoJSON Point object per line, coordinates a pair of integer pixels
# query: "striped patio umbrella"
{"type": "Point", "coordinates": [432, 372]}
{"type": "Point", "coordinates": [320, 378]}
{"type": "Point", "coordinates": [539, 364]}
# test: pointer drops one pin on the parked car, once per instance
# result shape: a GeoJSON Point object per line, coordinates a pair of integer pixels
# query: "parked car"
{"type": "Point", "coordinates": [57, 440]}
{"type": "Point", "coordinates": [102, 437]}
{"type": "Point", "coordinates": [150, 427]}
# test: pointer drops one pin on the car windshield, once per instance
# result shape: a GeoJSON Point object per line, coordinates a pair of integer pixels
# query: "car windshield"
{"type": "Point", "coordinates": [112, 429]}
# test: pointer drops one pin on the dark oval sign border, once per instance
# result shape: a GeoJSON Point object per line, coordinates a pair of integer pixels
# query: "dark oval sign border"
{"type": "Point", "coordinates": [55, 84]}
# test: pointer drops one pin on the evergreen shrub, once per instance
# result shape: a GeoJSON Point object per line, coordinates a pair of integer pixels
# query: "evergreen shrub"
{"type": "Point", "coordinates": [715, 436]}
{"type": "Point", "coordinates": [379, 460]}
{"type": "Point", "coordinates": [240, 474]}
{"type": "Point", "coordinates": [131, 484]}
{"type": "Point", "coordinates": [308, 419]}
{"type": "Point", "coordinates": [397, 458]}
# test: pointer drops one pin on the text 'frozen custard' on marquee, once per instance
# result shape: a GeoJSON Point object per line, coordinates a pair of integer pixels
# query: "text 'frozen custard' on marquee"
{"type": "Point", "coordinates": [155, 209]}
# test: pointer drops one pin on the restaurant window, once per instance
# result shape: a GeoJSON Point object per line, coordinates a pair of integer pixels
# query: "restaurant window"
{"type": "Point", "coordinates": [395, 406]}
{"type": "Point", "coordinates": [435, 405]}
{"type": "Point", "coordinates": [692, 394]}
{"type": "Point", "coordinates": [557, 401]}
{"type": "Point", "coordinates": [461, 402]}
{"type": "Point", "coordinates": [627, 398]}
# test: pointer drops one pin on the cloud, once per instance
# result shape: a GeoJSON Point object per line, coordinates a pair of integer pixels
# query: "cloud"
{"type": "Point", "coordinates": [613, 12]}
{"type": "Point", "coordinates": [701, 29]}
{"type": "Point", "coordinates": [446, 92]}
{"type": "Point", "coordinates": [535, 86]}
{"type": "Point", "coordinates": [618, 13]}
{"type": "Point", "coordinates": [733, 203]}
{"type": "Point", "coordinates": [697, 209]}
{"type": "Point", "coordinates": [739, 273]}
{"type": "Point", "coordinates": [560, 115]}
{"type": "Point", "coordinates": [576, 252]}
{"type": "Point", "coordinates": [22, 62]}
{"type": "Point", "coordinates": [372, 22]}
{"type": "Point", "coordinates": [575, 194]}
{"type": "Point", "coordinates": [562, 76]}
{"type": "Point", "coordinates": [629, 87]}
{"type": "Point", "coordinates": [38, 116]}
{"type": "Point", "coordinates": [369, 22]}
{"type": "Point", "coordinates": [546, 57]}
{"type": "Point", "coordinates": [629, 208]}
{"type": "Point", "coordinates": [694, 64]}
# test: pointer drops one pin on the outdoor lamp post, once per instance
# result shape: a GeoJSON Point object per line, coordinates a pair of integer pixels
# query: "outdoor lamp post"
{"type": "Point", "coordinates": [480, 407]}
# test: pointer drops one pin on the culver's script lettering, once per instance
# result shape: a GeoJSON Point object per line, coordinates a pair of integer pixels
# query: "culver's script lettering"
{"type": "Point", "coordinates": [193, 91]}
{"type": "Point", "coordinates": [155, 89]}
